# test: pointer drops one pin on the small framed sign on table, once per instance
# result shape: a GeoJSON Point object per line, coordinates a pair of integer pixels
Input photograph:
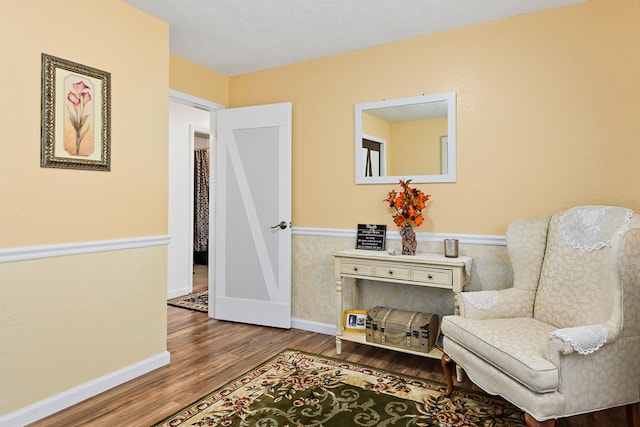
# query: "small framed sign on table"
{"type": "Point", "coordinates": [355, 320]}
{"type": "Point", "coordinates": [371, 237]}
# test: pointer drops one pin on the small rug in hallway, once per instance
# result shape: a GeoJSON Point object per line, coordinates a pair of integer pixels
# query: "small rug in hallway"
{"type": "Point", "coordinates": [297, 389]}
{"type": "Point", "coordinates": [198, 301]}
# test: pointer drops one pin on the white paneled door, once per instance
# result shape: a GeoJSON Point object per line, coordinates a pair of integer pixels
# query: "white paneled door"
{"type": "Point", "coordinates": [252, 226]}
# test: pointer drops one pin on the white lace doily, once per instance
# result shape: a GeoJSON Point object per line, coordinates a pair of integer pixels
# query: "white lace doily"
{"type": "Point", "coordinates": [583, 339]}
{"type": "Point", "coordinates": [589, 228]}
{"type": "Point", "coordinates": [481, 300]}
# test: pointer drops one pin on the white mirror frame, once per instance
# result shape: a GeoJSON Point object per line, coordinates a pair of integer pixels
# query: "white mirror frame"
{"type": "Point", "coordinates": [450, 176]}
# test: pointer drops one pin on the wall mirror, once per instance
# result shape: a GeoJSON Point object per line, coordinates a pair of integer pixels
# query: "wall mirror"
{"type": "Point", "coordinates": [409, 138]}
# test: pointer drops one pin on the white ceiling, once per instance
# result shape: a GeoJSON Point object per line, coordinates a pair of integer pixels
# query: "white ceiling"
{"type": "Point", "coordinates": [242, 36]}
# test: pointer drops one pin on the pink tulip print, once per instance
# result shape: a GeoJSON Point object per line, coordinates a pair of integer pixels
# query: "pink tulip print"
{"type": "Point", "coordinates": [78, 132]}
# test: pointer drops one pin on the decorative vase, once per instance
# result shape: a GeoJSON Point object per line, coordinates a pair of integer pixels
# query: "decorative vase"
{"type": "Point", "coordinates": [408, 238]}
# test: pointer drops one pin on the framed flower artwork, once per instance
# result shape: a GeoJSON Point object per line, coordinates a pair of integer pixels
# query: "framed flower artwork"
{"type": "Point", "coordinates": [76, 116]}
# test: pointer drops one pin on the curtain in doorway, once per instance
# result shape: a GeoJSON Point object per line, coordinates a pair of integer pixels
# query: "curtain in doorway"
{"type": "Point", "coordinates": [201, 200]}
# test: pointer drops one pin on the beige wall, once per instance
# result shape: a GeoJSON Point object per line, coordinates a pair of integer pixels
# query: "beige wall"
{"type": "Point", "coordinates": [547, 107]}
{"type": "Point", "coordinates": [68, 320]}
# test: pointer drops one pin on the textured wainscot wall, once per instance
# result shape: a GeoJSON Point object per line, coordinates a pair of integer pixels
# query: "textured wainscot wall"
{"type": "Point", "coordinates": [313, 278]}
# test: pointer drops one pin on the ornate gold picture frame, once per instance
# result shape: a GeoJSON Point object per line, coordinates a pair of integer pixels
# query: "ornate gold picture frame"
{"type": "Point", "coordinates": [76, 116]}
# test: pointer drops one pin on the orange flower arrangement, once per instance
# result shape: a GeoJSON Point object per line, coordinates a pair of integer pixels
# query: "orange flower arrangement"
{"type": "Point", "coordinates": [407, 205]}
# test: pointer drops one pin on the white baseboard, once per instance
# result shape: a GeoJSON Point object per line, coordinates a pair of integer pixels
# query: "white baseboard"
{"type": "Point", "coordinates": [44, 408]}
{"type": "Point", "coordinates": [177, 293]}
{"type": "Point", "coordinates": [308, 325]}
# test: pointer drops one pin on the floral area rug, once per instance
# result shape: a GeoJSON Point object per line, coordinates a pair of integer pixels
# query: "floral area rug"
{"type": "Point", "coordinates": [302, 389]}
{"type": "Point", "coordinates": [198, 301]}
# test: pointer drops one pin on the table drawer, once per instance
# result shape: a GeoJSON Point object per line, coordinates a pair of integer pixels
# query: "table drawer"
{"type": "Point", "coordinates": [356, 268]}
{"type": "Point", "coordinates": [392, 271]}
{"type": "Point", "coordinates": [433, 275]}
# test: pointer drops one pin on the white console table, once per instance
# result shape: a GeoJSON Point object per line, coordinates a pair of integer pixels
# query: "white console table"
{"type": "Point", "coordinates": [422, 269]}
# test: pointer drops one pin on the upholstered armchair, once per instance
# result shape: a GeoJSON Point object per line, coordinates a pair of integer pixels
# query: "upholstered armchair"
{"type": "Point", "coordinates": [565, 339]}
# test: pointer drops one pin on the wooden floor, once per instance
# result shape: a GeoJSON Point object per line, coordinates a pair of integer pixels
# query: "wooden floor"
{"type": "Point", "coordinates": [207, 353]}
{"type": "Point", "coordinates": [200, 277]}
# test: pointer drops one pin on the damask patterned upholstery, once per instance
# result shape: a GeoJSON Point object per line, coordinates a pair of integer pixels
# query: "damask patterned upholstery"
{"type": "Point", "coordinates": [513, 346]}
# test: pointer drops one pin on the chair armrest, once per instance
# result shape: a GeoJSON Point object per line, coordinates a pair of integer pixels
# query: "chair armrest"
{"type": "Point", "coordinates": [582, 339]}
{"type": "Point", "coordinates": [563, 342]}
{"type": "Point", "coordinates": [557, 348]}
{"type": "Point", "coordinates": [504, 303]}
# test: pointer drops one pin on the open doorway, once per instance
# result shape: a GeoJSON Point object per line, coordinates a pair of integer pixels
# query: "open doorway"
{"type": "Point", "coordinates": [189, 121]}
{"type": "Point", "coordinates": [201, 203]}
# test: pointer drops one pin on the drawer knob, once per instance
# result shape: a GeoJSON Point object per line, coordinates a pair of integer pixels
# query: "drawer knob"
{"type": "Point", "coordinates": [430, 276]}
{"type": "Point", "coordinates": [355, 268]}
{"type": "Point", "coordinates": [390, 272]}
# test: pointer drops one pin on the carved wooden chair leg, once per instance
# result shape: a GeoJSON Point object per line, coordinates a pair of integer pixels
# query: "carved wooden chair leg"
{"type": "Point", "coordinates": [633, 414]}
{"type": "Point", "coordinates": [446, 367]}
{"type": "Point", "coordinates": [532, 422]}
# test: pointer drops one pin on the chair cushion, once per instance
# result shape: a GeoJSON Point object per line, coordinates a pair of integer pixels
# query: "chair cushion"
{"type": "Point", "coordinates": [516, 346]}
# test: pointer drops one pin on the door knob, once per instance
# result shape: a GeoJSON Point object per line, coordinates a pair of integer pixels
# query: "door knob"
{"type": "Point", "coordinates": [282, 225]}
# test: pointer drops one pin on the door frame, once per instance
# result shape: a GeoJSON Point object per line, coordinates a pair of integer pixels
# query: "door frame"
{"type": "Point", "coordinates": [211, 107]}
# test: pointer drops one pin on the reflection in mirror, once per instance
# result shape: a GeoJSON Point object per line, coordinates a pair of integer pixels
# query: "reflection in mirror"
{"type": "Point", "coordinates": [408, 138]}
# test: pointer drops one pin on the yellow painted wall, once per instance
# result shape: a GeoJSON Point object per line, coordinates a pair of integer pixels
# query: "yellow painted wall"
{"type": "Point", "coordinates": [373, 126]}
{"type": "Point", "coordinates": [71, 319]}
{"type": "Point", "coordinates": [45, 205]}
{"type": "Point", "coordinates": [415, 147]}
{"type": "Point", "coordinates": [547, 107]}
{"type": "Point", "coordinates": [193, 79]}
{"type": "Point", "coordinates": [412, 147]}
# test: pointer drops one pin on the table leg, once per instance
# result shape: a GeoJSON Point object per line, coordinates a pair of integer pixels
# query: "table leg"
{"type": "Point", "coordinates": [339, 314]}
{"type": "Point", "coordinates": [355, 297]}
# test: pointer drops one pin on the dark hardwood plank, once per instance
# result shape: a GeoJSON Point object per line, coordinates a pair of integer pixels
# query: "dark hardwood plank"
{"type": "Point", "coordinates": [207, 353]}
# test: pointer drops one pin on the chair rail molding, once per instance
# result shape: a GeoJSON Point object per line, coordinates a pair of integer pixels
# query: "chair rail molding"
{"type": "Point", "coordinates": [65, 249]}
{"type": "Point", "coordinates": [470, 239]}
